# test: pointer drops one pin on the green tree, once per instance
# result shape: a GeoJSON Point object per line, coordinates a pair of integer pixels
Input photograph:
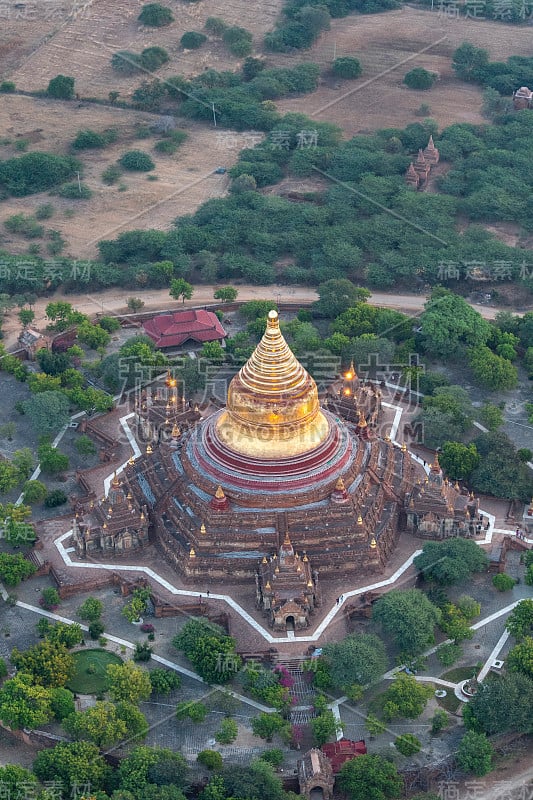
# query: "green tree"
{"type": "Point", "coordinates": [135, 304]}
{"type": "Point", "coordinates": [164, 681]}
{"type": "Point", "coordinates": [128, 682]}
{"type": "Point", "coordinates": [99, 724]}
{"type": "Point", "coordinates": [449, 322]}
{"type": "Point", "coordinates": [226, 293]}
{"type": "Point", "coordinates": [61, 87]}
{"type": "Point", "coordinates": [74, 764]}
{"type": "Point", "coordinates": [13, 777]}
{"type": "Point", "coordinates": [475, 753]}
{"type": "Point", "coordinates": [455, 624]}
{"type": "Point", "coordinates": [459, 460]}
{"type": "Point", "coordinates": [359, 658]}
{"type": "Point", "coordinates": [91, 609]}
{"type": "Point", "coordinates": [179, 287]}
{"type": "Point", "coordinates": [370, 777]}
{"type": "Point", "coordinates": [503, 582]}
{"type": "Point", "coordinates": [85, 445]}
{"type": "Point", "coordinates": [520, 658]}
{"type": "Point", "coordinates": [227, 733]}
{"type": "Point", "coordinates": [136, 161]}
{"type": "Point", "coordinates": [50, 459]}
{"type": "Point", "coordinates": [419, 78]}
{"type": "Point", "coordinates": [407, 744]}
{"type": "Point", "coordinates": [450, 561]}
{"type": "Point", "coordinates": [15, 568]}
{"type": "Point", "coordinates": [520, 620]}
{"type": "Point", "coordinates": [409, 618]}
{"type": "Point", "coordinates": [407, 695]}
{"type": "Point", "coordinates": [374, 726]}
{"type": "Point", "coordinates": [93, 335]}
{"type": "Point", "coordinates": [324, 727]}
{"type": "Point", "coordinates": [337, 295]}
{"type": "Point", "coordinates": [155, 15]}
{"type": "Point", "coordinates": [491, 416]}
{"type": "Point", "coordinates": [49, 663]}
{"type": "Point", "coordinates": [26, 316]}
{"type": "Point", "coordinates": [346, 67]}
{"type": "Point", "coordinates": [196, 712]}
{"type": "Point", "coordinates": [24, 704]}
{"type": "Point", "coordinates": [48, 412]}
{"type": "Point", "coordinates": [491, 370]}
{"type": "Point", "coordinates": [34, 492]}
{"type": "Point", "coordinates": [210, 759]}
{"type": "Point", "coordinates": [192, 40]}
{"type": "Point", "coordinates": [501, 706]}
{"type": "Point", "coordinates": [439, 721]}
{"type": "Point", "coordinates": [500, 473]}
{"type": "Point", "coordinates": [267, 725]}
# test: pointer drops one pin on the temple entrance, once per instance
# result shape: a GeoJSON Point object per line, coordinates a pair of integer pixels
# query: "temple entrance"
{"type": "Point", "coordinates": [317, 793]}
{"type": "Point", "coordinates": [289, 623]}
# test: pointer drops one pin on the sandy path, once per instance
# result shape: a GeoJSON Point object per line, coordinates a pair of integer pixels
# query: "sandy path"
{"type": "Point", "coordinates": [113, 302]}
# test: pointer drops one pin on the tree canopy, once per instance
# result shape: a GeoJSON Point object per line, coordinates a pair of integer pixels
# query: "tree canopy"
{"type": "Point", "coordinates": [359, 658]}
{"type": "Point", "coordinates": [450, 561]}
{"type": "Point", "coordinates": [370, 777]}
{"type": "Point", "coordinates": [409, 618]}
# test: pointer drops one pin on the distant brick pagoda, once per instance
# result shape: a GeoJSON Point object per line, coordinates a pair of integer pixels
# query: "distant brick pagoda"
{"type": "Point", "coordinates": [272, 487]}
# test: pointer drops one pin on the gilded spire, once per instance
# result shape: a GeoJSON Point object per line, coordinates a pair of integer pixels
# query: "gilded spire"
{"type": "Point", "coordinates": [219, 494]}
{"type": "Point", "coordinates": [272, 407]}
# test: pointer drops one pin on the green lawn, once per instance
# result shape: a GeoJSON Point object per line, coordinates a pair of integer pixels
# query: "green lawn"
{"type": "Point", "coordinates": [90, 671]}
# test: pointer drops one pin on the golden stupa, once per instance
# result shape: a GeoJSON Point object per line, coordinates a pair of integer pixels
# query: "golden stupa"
{"type": "Point", "coordinates": [272, 409]}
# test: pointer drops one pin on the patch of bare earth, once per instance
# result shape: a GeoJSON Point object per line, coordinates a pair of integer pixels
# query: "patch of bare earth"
{"type": "Point", "coordinates": [185, 180]}
{"type": "Point", "coordinates": [85, 44]}
{"type": "Point", "coordinates": [389, 45]}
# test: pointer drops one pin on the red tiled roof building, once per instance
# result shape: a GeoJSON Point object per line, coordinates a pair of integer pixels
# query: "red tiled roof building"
{"type": "Point", "coordinates": [173, 330]}
{"type": "Point", "coordinates": [343, 750]}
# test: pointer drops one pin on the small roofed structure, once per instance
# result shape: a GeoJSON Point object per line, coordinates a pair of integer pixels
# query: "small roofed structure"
{"type": "Point", "coordinates": [173, 330]}
{"type": "Point", "coordinates": [286, 588]}
{"type": "Point", "coordinates": [343, 750]}
{"type": "Point", "coordinates": [315, 775]}
{"type": "Point", "coordinates": [32, 341]}
{"type": "Point", "coordinates": [422, 169]}
{"type": "Point", "coordinates": [417, 173]}
{"type": "Point", "coordinates": [522, 98]}
{"type": "Point", "coordinates": [411, 178]}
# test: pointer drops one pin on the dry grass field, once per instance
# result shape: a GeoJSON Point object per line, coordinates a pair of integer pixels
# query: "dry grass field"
{"type": "Point", "coordinates": [184, 180]}
{"type": "Point", "coordinates": [388, 45]}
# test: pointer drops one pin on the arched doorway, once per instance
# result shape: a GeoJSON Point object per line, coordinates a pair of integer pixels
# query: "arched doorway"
{"type": "Point", "coordinates": [289, 623]}
{"type": "Point", "coordinates": [317, 793]}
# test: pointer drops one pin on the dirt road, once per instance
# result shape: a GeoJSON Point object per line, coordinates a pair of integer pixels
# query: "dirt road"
{"type": "Point", "coordinates": [113, 301]}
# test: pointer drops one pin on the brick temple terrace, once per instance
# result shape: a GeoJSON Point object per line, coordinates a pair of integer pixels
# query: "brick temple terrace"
{"type": "Point", "coordinates": [273, 491]}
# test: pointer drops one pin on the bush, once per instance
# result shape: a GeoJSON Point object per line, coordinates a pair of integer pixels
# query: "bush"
{"type": "Point", "coordinates": [155, 15]}
{"type": "Point", "coordinates": [91, 610]}
{"type": "Point", "coordinates": [61, 87]}
{"type": "Point", "coordinates": [56, 498]}
{"type": "Point", "coordinates": [26, 226]}
{"type": "Point", "coordinates": [50, 598]}
{"type": "Point", "coordinates": [136, 161]}
{"type": "Point", "coordinates": [111, 174]}
{"type": "Point", "coordinates": [407, 744]}
{"type": "Point", "coordinates": [88, 139]}
{"type": "Point", "coordinates": [44, 211]}
{"type": "Point", "coordinates": [75, 191]}
{"type": "Point", "coordinates": [192, 40]}
{"type": "Point", "coordinates": [34, 492]}
{"type": "Point", "coordinates": [210, 759]}
{"type": "Point", "coordinates": [96, 629]}
{"type": "Point", "coordinates": [196, 712]}
{"type": "Point", "coordinates": [154, 57]}
{"type": "Point", "coordinates": [439, 721]}
{"type": "Point", "coordinates": [503, 582]}
{"type": "Point", "coordinates": [238, 41]}
{"type": "Point", "coordinates": [85, 446]}
{"type": "Point", "coordinates": [273, 757]}
{"type": "Point", "coordinates": [215, 26]}
{"type": "Point", "coordinates": [419, 78]}
{"type": "Point", "coordinates": [125, 62]}
{"type": "Point", "coordinates": [36, 172]}
{"type": "Point", "coordinates": [448, 654]}
{"type": "Point", "coordinates": [227, 733]}
{"type": "Point", "coordinates": [7, 87]}
{"type": "Point", "coordinates": [346, 67]}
